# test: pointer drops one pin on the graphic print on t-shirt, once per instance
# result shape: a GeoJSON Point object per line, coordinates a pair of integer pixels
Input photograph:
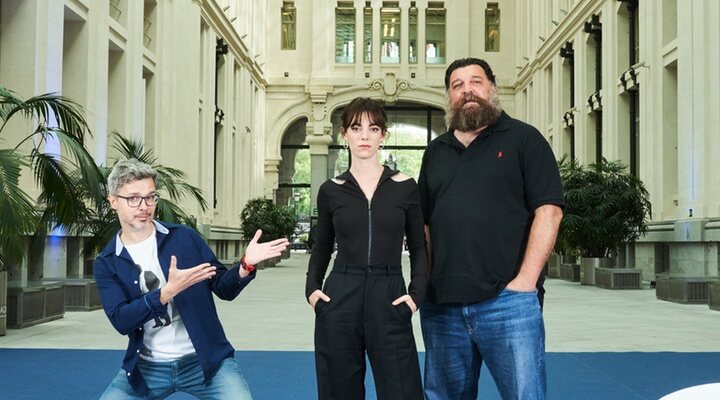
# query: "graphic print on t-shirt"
{"type": "Point", "coordinates": [165, 337]}
{"type": "Point", "coordinates": [152, 282]}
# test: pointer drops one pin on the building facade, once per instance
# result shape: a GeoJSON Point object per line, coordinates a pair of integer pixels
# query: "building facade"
{"type": "Point", "coordinates": [236, 93]}
{"type": "Point", "coordinates": [635, 81]}
{"type": "Point", "coordinates": [184, 77]}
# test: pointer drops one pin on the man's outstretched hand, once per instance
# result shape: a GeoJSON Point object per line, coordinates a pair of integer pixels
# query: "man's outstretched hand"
{"type": "Point", "coordinates": [181, 279]}
{"type": "Point", "coordinates": [256, 252]}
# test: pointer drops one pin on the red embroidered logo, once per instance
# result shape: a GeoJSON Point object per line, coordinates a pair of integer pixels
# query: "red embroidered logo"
{"type": "Point", "coordinates": [499, 154]}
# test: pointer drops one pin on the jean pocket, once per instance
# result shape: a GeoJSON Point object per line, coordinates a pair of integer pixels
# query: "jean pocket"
{"type": "Point", "coordinates": [511, 292]}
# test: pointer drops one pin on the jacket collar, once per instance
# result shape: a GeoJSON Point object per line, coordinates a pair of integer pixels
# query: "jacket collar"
{"type": "Point", "coordinates": [387, 173]}
{"type": "Point", "coordinates": [116, 245]}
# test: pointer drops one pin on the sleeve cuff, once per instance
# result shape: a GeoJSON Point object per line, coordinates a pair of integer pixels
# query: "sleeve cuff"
{"type": "Point", "coordinates": [152, 301]}
{"type": "Point", "coordinates": [243, 281]}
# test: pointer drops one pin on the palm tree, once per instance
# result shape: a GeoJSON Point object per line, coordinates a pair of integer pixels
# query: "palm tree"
{"type": "Point", "coordinates": [170, 181]}
{"type": "Point", "coordinates": [72, 187]}
{"type": "Point", "coordinates": [61, 202]}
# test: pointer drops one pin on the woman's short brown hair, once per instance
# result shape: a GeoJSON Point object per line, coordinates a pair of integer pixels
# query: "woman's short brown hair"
{"type": "Point", "coordinates": [354, 112]}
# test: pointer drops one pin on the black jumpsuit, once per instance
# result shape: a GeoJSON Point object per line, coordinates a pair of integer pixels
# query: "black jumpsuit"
{"type": "Point", "coordinates": [364, 281]}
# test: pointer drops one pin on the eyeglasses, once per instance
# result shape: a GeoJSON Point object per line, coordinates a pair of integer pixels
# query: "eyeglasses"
{"type": "Point", "coordinates": [134, 201]}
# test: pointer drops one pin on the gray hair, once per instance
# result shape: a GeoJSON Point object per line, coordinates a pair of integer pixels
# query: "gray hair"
{"type": "Point", "coordinates": [126, 171]}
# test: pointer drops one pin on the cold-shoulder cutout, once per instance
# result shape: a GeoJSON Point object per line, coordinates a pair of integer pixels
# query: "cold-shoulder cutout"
{"type": "Point", "coordinates": [338, 181]}
{"type": "Point", "coordinates": [400, 177]}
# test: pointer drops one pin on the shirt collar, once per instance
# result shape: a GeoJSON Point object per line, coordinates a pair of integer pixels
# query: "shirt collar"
{"type": "Point", "coordinates": [387, 172]}
{"type": "Point", "coordinates": [119, 244]}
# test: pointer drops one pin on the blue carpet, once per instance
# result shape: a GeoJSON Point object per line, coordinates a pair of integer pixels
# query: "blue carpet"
{"type": "Point", "coordinates": [272, 375]}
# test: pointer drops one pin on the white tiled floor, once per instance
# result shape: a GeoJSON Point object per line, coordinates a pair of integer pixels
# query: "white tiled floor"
{"type": "Point", "coordinates": [271, 314]}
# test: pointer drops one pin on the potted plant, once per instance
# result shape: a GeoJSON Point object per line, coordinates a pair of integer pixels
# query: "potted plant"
{"type": "Point", "coordinates": [605, 207]}
{"type": "Point", "coordinates": [562, 263]}
{"type": "Point", "coordinates": [3, 300]}
{"type": "Point", "coordinates": [275, 222]}
{"type": "Point", "coordinates": [55, 120]}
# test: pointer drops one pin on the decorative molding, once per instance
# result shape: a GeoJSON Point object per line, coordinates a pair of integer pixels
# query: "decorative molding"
{"type": "Point", "coordinates": [594, 26]}
{"type": "Point", "coordinates": [272, 164]}
{"type": "Point", "coordinates": [569, 118]}
{"type": "Point", "coordinates": [318, 101]}
{"type": "Point", "coordinates": [391, 87]}
{"type": "Point", "coordinates": [219, 115]}
{"type": "Point", "coordinates": [594, 102]}
{"type": "Point", "coordinates": [629, 81]}
{"type": "Point", "coordinates": [319, 111]}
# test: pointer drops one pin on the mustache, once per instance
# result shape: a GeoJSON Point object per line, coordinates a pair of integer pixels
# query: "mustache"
{"type": "Point", "coordinates": [468, 97]}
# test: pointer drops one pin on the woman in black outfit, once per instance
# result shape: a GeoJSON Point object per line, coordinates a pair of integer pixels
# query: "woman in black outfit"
{"type": "Point", "coordinates": [364, 306]}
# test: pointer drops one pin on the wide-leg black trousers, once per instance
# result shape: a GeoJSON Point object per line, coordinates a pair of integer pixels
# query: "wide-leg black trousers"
{"type": "Point", "coordinates": [360, 319]}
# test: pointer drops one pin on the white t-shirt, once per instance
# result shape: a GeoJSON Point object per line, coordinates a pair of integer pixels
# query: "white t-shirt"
{"type": "Point", "coordinates": [165, 338]}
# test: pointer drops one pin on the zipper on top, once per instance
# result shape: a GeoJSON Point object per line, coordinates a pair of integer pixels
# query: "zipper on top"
{"type": "Point", "coordinates": [370, 228]}
{"type": "Point", "coordinates": [369, 203]}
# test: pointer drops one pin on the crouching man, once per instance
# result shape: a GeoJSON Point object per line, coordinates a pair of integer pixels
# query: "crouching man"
{"type": "Point", "coordinates": [156, 282]}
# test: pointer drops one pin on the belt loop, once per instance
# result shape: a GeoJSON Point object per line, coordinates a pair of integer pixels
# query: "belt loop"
{"type": "Point", "coordinates": [387, 270]}
{"type": "Point", "coordinates": [345, 268]}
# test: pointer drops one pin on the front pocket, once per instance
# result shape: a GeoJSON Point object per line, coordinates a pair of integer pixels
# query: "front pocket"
{"type": "Point", "coordinates": [396, 288]}
{"type": "Point", "coordinates": [320, 306]}
{"type": "Point", "coordinates": [510, 291]}
{"type": "Point", "coordinates": [404, 311]}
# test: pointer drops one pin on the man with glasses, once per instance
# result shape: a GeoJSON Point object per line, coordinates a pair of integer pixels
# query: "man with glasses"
{"type": "Point", "coordinates": [156, 282]}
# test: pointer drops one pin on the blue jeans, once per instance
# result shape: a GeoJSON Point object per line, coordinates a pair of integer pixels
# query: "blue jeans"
{"type": "Point", "coordinates": [506, 332]}
{"type": "Point", "coordinates": [183, 375]}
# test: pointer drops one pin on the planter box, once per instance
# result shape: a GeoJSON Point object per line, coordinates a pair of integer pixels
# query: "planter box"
{"type": "Point", "coordinates": [570, 272]}
{"type": "Point", "coordinates": [683, 289]}
{"type": "Point", "coordinates": [618, 278]}
{"type": "Point", "coordinates": [36, 304]}
{"type": "Point", "coordinates": [81, 295]}
{"type": "Point", "coordinates": [553, 266]}
{"type": "Point", "coordinates": [714, 298]}
{"type": "Point", "coordinates": [566, 259]}
{"type": "Point", "coordinates": [588, 266]}
{"type": "Point", "coordinates": [3, 302]}
{"type": "Point", "coordinates": [271, 262]}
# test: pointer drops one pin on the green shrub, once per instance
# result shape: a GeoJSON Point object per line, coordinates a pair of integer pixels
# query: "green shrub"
{"type": "Point", "coordinates": [605, 207]}
{"type": "Point", "coordinates": [276, 222]}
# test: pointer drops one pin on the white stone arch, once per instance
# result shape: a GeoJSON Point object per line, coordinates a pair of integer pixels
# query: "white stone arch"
{"type": "Point", "coordinates": [287, 166]}
{"type": "Point", "coordinates": [422, 96]}
{"type": "Point", "coordinates": [281, 124]}
{"type": "Point", "coordinates": [303, 108]}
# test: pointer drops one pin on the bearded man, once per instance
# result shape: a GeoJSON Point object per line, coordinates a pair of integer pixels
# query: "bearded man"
{"type": "Point", "coordinates": [492, 202]}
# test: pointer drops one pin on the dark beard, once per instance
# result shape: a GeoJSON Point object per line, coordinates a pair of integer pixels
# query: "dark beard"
{"type": "Point", "coordinates": [470, 119]}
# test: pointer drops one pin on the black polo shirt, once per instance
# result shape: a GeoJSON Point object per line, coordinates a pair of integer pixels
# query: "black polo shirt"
{"type": "Point", "coordinates": [479, 202]}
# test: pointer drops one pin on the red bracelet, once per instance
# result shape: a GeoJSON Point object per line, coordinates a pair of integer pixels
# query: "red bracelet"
{"type": "Point", "coordinates": [247, 267]}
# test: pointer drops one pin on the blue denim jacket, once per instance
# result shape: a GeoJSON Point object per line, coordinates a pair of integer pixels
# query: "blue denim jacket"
{"type": "Point", "coordinates": [118, 281]}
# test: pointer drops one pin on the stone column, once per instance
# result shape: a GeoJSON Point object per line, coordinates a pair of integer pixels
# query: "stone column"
{"type": "Point", "coordinates": [318, 162]}
{"type": "Point", "coordinates": [271, 176]}
{"type": "Point", "coordinates": [421, 67]}
{"type": "Point", "coordinates": [318, 136]}
{"type": "Point", "coordinates": [404, 39]}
